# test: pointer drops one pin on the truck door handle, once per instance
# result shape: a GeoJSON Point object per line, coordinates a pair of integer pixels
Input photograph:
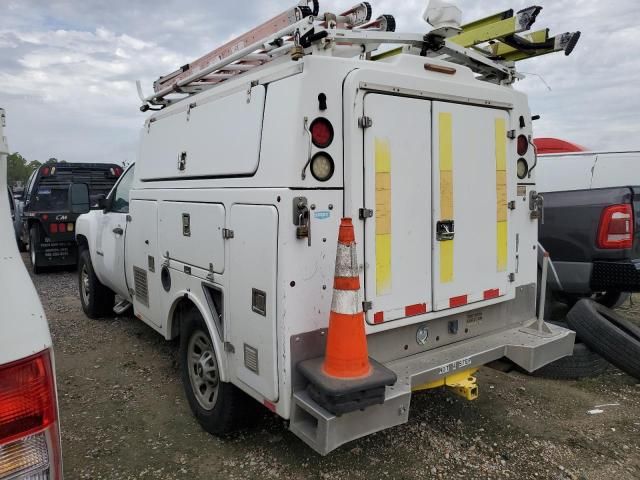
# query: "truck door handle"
{"type": "Point", "coordinates": [118, 231]}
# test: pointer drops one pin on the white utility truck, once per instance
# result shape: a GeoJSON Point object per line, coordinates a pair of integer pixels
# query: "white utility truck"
{"type": "Point", "coordinates": [29, 428]}
{"type": "Point", "coordinates": [225, 230]}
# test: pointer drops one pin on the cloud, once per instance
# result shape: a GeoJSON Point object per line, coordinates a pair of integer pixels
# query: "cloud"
{"type": "Point", "coordinates": [69, 67]}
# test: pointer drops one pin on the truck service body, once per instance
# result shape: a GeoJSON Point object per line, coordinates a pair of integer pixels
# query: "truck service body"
{"type": "Point", "coordinates": [233, 210]}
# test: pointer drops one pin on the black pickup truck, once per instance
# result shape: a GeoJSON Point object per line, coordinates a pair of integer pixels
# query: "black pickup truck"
{"type": "Point", "coordinates": [591, 224]}
{"type": "Point", "coordinates": [45, 224]}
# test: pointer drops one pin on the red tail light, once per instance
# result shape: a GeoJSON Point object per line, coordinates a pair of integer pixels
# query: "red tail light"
{"type": "Point", "coordinates": [53, 228]}
{"type": "Point", "coordinates": [45, 171]}
{"type": "Point", "coordinates": [321, 132]}
{"type": "Point", "coordinates": [523, 145]}
{"type": "Point", "coordinates": [616, 227]}
{"type": "Point", "coordinates": [29, 438]}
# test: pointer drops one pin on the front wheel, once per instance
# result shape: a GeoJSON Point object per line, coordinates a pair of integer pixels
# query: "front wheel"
{"type": "Point", "coordinates": [96, 299]}
{"type": "Point", "coordinates": [217, 405]}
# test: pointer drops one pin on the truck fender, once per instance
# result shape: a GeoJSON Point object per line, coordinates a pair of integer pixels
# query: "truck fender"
{"type": "Point", "coordinates": [186, 297]}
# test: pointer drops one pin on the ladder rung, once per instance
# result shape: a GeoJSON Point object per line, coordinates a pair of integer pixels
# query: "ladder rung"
{"type": "Point", "coordinates": [521, 22]}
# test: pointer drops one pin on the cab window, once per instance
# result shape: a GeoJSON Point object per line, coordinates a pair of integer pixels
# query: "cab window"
{"type": "Point", "coordinates": [120, 203]}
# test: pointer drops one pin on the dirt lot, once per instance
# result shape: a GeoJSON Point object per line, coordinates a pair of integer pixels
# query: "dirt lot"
{"type": "Point", "coordinates": [124, 415]}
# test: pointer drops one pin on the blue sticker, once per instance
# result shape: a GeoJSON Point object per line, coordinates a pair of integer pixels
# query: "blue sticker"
{"type": "Point", "coordinates": [322, 215]}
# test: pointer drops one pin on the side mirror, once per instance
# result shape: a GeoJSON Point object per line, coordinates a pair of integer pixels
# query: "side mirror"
{"type": "Point", "coordinates": [79, 198]}
{"type": "Point", "coordinates": [104, 203]}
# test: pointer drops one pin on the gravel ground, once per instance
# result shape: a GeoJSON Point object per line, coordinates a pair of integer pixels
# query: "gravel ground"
{"type": "Point", "coordinates": [124, 415]}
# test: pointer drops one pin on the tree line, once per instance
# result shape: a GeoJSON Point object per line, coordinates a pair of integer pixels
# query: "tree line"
{"type": "Point", "coordinates": [19, 168]}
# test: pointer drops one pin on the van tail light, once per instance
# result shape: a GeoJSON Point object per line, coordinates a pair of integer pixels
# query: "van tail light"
{"type": "Point", "coordinates": [321, 132]}
{"type": "Point", "coordinates": [616, 227]}
{"type": "Point", "coordinates": [29, 435]}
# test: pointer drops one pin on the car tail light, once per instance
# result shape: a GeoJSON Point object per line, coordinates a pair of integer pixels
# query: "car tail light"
{"type": "Point", "coordinates": [523, 145]}
{"type": "Point", "coordinates": [53, 228]}
{"type": "Point", "coordinates": [616, 227]}
{"type": "Point", "coordinates": [46, 171]}
{"type": "Point", "coordinates": [321, 132]}
{"type": "Point", "coordinates": [29, 437]}
{"type": "Point", "coordinates": [115, 171]}
{"type": "Point", "coordinates": [69, 227]}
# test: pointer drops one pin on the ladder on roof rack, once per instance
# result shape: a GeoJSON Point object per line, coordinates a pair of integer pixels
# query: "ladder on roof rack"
{"type": "Point", "coordinates": [488, 46]}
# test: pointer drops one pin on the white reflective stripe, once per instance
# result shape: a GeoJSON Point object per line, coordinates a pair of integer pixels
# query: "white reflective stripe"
{"type": "Point", "coordinates": [346, 302]}
{"type": "Point", "coordinates": [346, 261]}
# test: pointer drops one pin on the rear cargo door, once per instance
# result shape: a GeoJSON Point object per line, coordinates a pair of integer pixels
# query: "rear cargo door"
{"type": "Point", "coordinates": [397, 188]}
{"type": "Point", "coordinates": [471, 219]}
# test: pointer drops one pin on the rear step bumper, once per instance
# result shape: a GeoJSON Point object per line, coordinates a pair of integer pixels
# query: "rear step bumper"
{"type": "Point", "coordinates": [524, 345]}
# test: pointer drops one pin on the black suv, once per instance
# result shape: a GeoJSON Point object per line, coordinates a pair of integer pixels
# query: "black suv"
{"type": "Point", "coordinates": [46, 225]}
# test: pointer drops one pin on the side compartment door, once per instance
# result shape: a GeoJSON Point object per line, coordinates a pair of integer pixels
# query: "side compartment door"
{"type": "Point", "coordinates": [397, 179]}
{"type": "Point", "coordinates": [253, 260]}
{"type": "Point", "coordinates": [471, 218]}
{"type": "Point", "coordinates": [142, 261]}
{"type": "Point", "coordinates": [112, 226]}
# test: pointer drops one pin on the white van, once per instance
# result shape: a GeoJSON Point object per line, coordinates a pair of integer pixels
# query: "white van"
{"type": "Point", "coordinates": [29, 427]}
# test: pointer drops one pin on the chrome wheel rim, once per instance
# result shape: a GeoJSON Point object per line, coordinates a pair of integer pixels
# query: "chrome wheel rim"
{"type": "Point", "coordinates": [203, 370]}
{"type": "Point", "coordinates": [84, 284]}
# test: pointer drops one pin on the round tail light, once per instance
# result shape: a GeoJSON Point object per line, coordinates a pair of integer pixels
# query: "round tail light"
{"type": "Point", "coordinates": [523, 145]}
{"type": "Point", "coordinates": [322, 167]}
{"type": "Point", "coordinates": [321, 132]}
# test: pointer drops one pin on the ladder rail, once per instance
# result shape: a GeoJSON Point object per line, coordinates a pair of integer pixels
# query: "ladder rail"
{"type": "Point", "coordinates": [301, 27]}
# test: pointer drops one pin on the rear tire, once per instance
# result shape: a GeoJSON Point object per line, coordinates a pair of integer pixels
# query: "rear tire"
{"type": "Point", "coordinates": [608, 334]}
{"type": "Point", "coordinates": [218, 406]}
{"type": "Point", "coordinates": [612, 299]}
{"type": "Point", "coordinates": [21, 245]}
{"type": "Point", "coordinates": [96, 299]}
{"type": "Point", "coordinates": [584, 363]}
{"type": "Point", "coordinates": [34, 246]}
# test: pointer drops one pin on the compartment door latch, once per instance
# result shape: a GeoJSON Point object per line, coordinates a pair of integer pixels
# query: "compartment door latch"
{"type": "Point", "coordinates": [445, 230]}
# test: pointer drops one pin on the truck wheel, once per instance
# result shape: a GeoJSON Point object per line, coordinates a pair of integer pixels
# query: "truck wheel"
{"type": "Point", "coordinates": [96, 299]}
{"type": "Point", "coordinates": [21, 245]}
{"type": "Point", "coordinates": [217, 405]}
{"type": "Point", "coordinates": [34, 245]}
{"type": "Point", "coordinates": [584, 363]}
{"type": "Point", "coordinates": [608, 334]}
{"type": "Point", "coordinates": [612, 299]}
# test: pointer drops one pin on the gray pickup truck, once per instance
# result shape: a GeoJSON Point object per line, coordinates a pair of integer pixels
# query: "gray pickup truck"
{"type": "Point", "coordinates": [591, 225]}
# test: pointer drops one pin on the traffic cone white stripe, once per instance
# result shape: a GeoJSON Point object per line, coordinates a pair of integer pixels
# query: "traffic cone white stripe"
{"type": "Point", "coordinates": [346, 302]}
{"type": "Point", "coordinates": [346, 261]}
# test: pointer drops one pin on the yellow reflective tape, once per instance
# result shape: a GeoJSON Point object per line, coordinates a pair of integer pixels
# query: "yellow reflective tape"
{"type": "Point", "coordinates": [383, 215]}
{"type": "Point", "coordinates": [501, 144]}
{"type": "Point", "coordinates": [445, 129]}
{"type": "Point", "coordinates": [502, 245]}
{"type": "Point", "coordinates": [383, 264]}
{"type": "Point", "coordinates": [446, 261]}
{"type": "Point", "coordinates": [501, 194]}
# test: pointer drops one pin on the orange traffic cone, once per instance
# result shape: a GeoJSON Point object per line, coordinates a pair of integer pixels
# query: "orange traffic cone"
{"type": "Point", "coordinates": [346, 379]}
{"type": "Point", "coordinates": [346, 353]}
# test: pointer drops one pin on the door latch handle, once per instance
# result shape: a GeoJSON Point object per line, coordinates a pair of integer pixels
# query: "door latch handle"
{"type": "Point", "coordinates": [302, 219]}
{"type": "Point", "coordinates": [118, 231]}
{"type": "Point", "coordinates": [445, 230]}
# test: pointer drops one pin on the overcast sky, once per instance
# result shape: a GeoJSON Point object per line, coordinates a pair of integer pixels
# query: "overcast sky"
{"type": "Point", "coordinates": [68, 67]}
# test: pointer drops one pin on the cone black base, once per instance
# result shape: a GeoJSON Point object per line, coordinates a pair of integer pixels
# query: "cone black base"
{"type": "Point", "coordinates": [344, 395]}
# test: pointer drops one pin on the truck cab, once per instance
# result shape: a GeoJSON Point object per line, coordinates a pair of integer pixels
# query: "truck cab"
{"type": "Point", "coordinates": [29, 426]}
